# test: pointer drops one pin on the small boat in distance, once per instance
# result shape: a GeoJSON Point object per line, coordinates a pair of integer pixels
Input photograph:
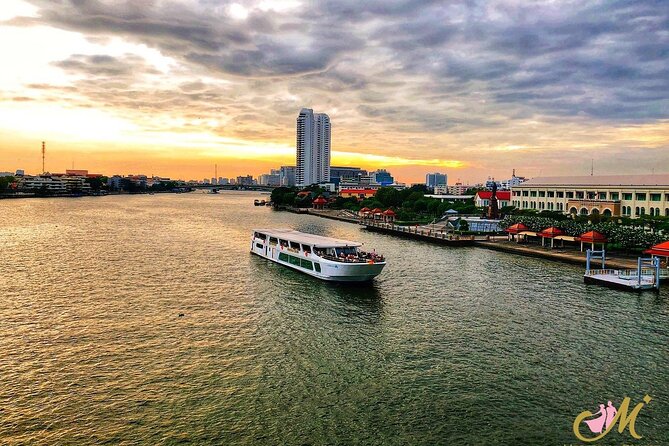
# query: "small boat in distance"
{"type": "Point", "coordinates": [323, 257]}
{"type": "Point", "coordinates": [259, 202]}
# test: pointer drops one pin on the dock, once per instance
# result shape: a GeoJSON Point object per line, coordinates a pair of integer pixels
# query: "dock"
{"type": "Point", "coordinates": [628, 280]}
{"type": "Point", "coordinates": [646, 276]}
{"type": "Point", "coordinates": [418, 233]}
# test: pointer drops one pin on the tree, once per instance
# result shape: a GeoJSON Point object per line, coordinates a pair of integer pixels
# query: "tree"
{"type": "Point", "coordinates": [422, 188]}
{"type": "Point", "coordinates": [5, 182]}
{"type": "Point", "coordinates": [278, 193]}
{"type": "Point", "coordinates": [389, 196]}
{"type": "Point", "coordinates": [96, 183]}
{"type": "Point", "coordinates": [420, 205]}
{"type": "Point", "coordinates": [414, 196]}
{"type": "Point", "coordinates": [433, 207]}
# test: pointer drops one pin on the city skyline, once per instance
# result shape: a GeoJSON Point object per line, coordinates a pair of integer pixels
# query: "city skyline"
{"type": "Point", "coordinates": [471, 90]}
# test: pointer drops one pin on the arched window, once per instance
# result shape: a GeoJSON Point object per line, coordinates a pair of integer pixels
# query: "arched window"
{"type": "Point", "coordinates": [594, 211]}
{"type": "Point", "coordinates": [666, 212]}
{"type": "Point", "coordinates": [573, 211]}
{"type": "Point", "coordinates": [584, 211]}
{"type": "Point", "coordinates": [636, 211]}
{"type": "Point", "coordinates": [651, 211]}
{"type": "Point", "coordinates": [643, 210]}
{"type": "Point", "coordinates": [607, 212]}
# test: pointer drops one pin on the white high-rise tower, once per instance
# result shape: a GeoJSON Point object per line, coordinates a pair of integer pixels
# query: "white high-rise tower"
{"type": "Point", "coordinates": [313, 148]}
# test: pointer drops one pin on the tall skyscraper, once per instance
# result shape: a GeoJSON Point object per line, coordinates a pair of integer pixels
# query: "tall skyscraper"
{"type": "Point", "coordinates": [313, 148]}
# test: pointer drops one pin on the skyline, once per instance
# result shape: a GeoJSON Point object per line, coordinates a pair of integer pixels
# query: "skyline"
{"type": "Point", "coordinates": [471, 90]}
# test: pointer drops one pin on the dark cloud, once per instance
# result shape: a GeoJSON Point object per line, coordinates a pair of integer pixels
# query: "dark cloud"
{"type": "Point", "coordinates": [413, 64]}
{"type": "Point", "coordinates": [103, 65]}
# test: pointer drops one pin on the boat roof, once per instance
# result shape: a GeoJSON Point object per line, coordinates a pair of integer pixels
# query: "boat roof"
{"type": "Point", "coordinates": [308, 239]}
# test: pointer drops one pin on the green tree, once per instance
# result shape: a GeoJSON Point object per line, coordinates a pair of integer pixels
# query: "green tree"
{"type": "Point", "coordinates": [5, 182]}
{"type": "Point", "coordinates": [389, 196]}
{"type": "Point", "coordinates": [433, 207]}
{"type": "Point", "coordinates": [96, 183]}
{"type": "Point", "coordinates": [279, 192]}
{"type": "Point", "coordinates": [420, 206]}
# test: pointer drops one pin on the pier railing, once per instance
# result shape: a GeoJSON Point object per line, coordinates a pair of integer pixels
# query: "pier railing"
{"type": "Point", "coordinates": [418, 231]}
{"type": "Point", "coordinates": [664, 273]}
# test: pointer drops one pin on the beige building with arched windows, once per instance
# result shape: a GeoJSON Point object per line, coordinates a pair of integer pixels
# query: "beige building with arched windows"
{"type": "Point", "coordinates": [611, 195]}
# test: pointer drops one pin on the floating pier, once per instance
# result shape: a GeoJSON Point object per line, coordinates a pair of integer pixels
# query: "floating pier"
{"type": "Point", "coordinates": [646, 276]}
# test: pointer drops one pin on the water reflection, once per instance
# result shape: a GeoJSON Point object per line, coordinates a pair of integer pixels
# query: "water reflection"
{"type": "Point", "coordinates": [267, 355]}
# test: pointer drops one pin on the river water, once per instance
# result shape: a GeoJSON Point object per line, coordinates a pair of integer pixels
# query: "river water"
{"type": "Point", "coordinates": [447, 346]}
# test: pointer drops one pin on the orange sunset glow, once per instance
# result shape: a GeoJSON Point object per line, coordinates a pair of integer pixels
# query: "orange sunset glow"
{"type": "Point", "coordinates": [173, 88]}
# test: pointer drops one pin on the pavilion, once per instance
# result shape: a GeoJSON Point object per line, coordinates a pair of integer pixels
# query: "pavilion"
{"type": "Point", "coordinates": [659, 250]}
{"type": "Point", "coordinates": [516, 229]}
{"type": "Point", "coordinates": [594, 238]}
{"type": "Point", "coordinates": [550, 233]}
{"type": "Point", "coordinates": [319, 203]}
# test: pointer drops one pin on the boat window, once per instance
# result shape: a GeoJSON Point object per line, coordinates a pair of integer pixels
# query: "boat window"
{"type": "Point", "coordinates": [295, 245]}
{"type": "Point", "coordinates": [273, 241]}
{"type": "Point", "coordinates": [283, 256]}
{"type": "Point", "coordinates": [318, 267]}
{"type": "Point", "coordinates": [261, 236]}
{"type": "Point", "coordinates": [283, 243]}
{"type": "Point", "coordinates": [306, 249]}
{"type": "Point", "coordinates": [304, 263]}
{"type": "Point", "coordinates": [259, 245]}
{"type": "Point", "coordinates": [294, 261]}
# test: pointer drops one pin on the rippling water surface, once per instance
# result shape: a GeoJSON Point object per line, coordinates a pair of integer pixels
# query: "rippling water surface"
{"type": "Point", "coordinates": [448, 346]}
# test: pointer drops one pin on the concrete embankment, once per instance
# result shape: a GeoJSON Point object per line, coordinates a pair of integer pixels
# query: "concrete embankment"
{"type": "Point", "coordinates": [575, 257]}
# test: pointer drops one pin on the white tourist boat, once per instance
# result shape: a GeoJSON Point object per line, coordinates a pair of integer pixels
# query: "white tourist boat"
{"type": "Point", "coordinates": [323, 257]}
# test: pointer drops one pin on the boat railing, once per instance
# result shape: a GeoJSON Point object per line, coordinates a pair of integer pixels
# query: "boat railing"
{"type": "Point", "coordinates": [353, 259]}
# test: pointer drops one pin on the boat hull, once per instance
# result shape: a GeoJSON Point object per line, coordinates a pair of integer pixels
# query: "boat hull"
{"type": "Point", "coordinates": [329, 270]}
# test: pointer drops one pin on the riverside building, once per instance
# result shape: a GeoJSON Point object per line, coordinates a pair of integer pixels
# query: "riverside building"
{"type": "Point", "coordinates": [609, 195]}
{"type": "Point", "coordinates": [313, 148]}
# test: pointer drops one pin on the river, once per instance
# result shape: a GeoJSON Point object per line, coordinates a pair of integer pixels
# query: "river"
{"type": "Point", "coordinates": [145, 320]}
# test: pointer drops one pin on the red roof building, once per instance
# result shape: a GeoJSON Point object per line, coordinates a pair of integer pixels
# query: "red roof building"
{"type": "Point", "coordinates": [360, 194]}
{"type": "Point", "coordinates": [482, 198]}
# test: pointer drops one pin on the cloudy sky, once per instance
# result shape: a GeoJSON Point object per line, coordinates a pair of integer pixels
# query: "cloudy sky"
{"type": "Point", "coordinates": [471, 88]}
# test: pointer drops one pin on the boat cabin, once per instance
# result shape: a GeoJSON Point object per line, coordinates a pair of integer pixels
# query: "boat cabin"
{"type": "Point", "coordinates": [312, 247]}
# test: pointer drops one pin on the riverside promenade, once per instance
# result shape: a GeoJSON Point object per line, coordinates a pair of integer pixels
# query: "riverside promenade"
{"type": "Point", "coordinates": [420, 233]}
{"type": "Point", "coordinates": [497, 243]}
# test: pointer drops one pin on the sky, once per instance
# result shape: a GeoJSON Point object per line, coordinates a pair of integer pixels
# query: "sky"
{"type": "Point", "coordinates": [469, 88]}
